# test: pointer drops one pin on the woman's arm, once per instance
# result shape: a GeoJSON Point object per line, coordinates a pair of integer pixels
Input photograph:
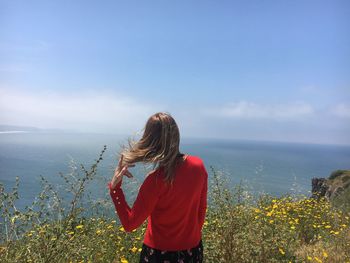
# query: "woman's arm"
{"type": "Point", "coordinates": [131, 218]}
{"type": "Point", "coordinates": [203, 198]}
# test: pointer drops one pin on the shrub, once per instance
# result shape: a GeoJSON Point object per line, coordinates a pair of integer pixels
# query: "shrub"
{"type": "Point", "coordinates": [238, 226]}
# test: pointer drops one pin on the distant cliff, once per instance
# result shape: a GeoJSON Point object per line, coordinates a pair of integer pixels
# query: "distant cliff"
{"type": "Point", "coordinates": [16, 128]}
{"type": "Point", "coordinates": [335, 188]}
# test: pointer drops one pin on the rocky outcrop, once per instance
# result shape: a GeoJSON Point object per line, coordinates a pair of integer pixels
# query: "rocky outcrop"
{"type": "Point", "coordinates": [319, 187]}
{"type": "Point", "coordinates": [333, 186]}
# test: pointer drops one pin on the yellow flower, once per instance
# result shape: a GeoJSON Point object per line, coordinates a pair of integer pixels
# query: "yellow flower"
{"type": "Point", "coordinates": [122, 229]}
{"type": "Point", "coordinates": [123, 260]}
{"type": "Point", "coordinates": [98, 232]}
{"type": "Point", "coordinates": [134, 249]}
{"type": "Point", "coordinates": [292, 227]}
{"type": "Point", "coordinates": [327, 226]}
{"type": "Point", "coordinates": [71, 233]}
{"type": "Point", "coordinates": [325, 255]}
{"type": "Point", "coordinates": [139, 250]}
{"type": "Point", "coordinates": [282, 251]}
{"type": "Point", "coordinates": [309, 258]}
{"type": "Point", "coordinates": [79, 227]}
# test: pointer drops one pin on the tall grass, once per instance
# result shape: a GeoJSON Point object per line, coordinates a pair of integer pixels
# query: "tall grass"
{"type": "Point", "coordinates": [238, 226]}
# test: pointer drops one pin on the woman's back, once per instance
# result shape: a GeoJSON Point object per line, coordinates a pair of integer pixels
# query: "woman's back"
{"type": "Point", "coordinates": [177, 218]}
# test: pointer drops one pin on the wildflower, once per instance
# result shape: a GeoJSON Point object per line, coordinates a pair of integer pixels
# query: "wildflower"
{"type": "Point", "coordinates": [282, 251]}
{"type": "Point", "coordinates": [71, 233]}
{"type": "Point", "coordinates": [122, 229]}
{"type": "Point", "coordinates": [123, 260]}
{"type": "Point", "coordinates": [134, 249]}
{"type": "Point", "coordinates": [327, 226]}
{"type": "Point", "coordinates": [325, 255]}
{"type": "Point", "coordinates": [79, 227]}
{"type": "Point", "coordinates": [309, 258]}
{"type": "Point", "coordinates": [98, 232]}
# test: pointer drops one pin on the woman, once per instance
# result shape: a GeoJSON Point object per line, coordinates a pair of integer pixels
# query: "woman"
{"type": "Point", "coordinates": [173, 197]}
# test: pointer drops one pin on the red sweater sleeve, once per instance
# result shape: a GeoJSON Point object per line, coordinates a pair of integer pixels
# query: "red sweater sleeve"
{"type": "Point", "coordinates": [131, 218]}
{"type": "Point", "coordinates": [203, 198]}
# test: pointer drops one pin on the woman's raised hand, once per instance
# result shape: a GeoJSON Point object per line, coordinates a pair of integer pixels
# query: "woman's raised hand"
{"type": "Point", "coordinates": [120, 171]}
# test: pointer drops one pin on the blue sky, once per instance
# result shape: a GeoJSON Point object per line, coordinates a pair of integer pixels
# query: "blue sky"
{"type": "Point", "coordinates": [260, 70]}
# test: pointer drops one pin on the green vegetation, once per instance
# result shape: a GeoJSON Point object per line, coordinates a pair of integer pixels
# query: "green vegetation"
{"type": "Point", "coordinates": [238, 227]}
{"type": "Point", "coordinates": [338, 173]}
{"type": "Point", "coordinates": [338, 185]}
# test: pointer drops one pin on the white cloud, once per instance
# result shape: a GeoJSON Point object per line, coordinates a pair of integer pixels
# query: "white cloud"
{"type": "Point", "coordinates": [251, 110]}
{"type": "Point", "coordinates": [341, 110]}
{"type": "Point", "coordinates": [92, 111]}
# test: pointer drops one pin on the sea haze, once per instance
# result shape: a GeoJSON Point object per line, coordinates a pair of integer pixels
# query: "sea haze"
{"type": "Point", "coordinates": [263, 167]}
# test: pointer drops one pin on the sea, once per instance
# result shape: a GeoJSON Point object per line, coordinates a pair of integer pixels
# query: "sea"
{"type": "Point", "coordinates": [274, 168]}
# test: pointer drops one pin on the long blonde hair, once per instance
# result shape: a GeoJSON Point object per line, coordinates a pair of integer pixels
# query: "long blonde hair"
{"type": "Point", "coordinates": [159, 145]}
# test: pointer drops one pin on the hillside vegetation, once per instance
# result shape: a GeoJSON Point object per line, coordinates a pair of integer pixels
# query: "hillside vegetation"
{"type": "Point", "coordinates": [238, 227]}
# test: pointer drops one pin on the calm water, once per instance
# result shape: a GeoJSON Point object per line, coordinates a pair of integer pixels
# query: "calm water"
{"type": "Point", "coordinates": [275, 168]}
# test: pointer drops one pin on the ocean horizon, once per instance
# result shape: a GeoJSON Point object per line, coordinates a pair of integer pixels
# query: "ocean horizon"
{"type": "Point", "coordinates": [275, 168]}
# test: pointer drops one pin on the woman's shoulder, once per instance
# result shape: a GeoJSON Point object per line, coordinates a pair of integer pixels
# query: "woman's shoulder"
{"type": "Point", "coordinates": [153, 176]}
{"type": "Point", "coordinates": [194, 160]}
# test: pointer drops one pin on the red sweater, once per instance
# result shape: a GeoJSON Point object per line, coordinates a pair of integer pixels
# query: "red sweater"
{"type": "Point", "coordinates": [175, 213]}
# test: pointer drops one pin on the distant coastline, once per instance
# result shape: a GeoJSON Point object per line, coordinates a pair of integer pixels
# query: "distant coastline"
{"type": "Point", "coordinates": [5, 129]}
{"type": "Point", "coordinates": [13, 132]}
